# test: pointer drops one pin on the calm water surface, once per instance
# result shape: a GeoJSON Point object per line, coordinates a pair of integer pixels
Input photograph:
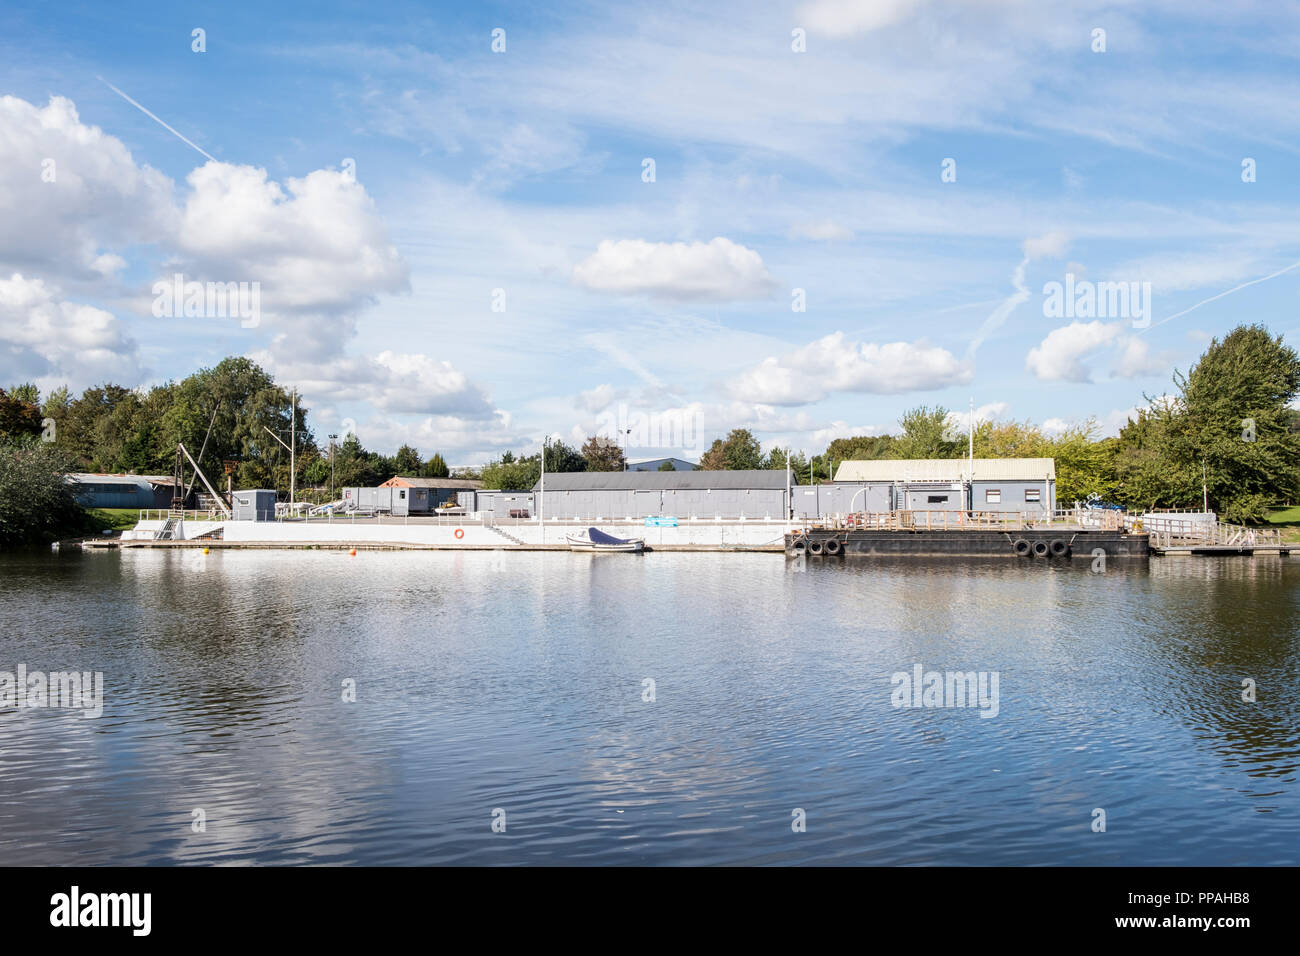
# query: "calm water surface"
{"type": "Point", "coordinates": [514, 681]}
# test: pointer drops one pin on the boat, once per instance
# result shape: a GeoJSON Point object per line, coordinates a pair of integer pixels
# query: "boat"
{"type": "Point", "coordinates": [597, 540]}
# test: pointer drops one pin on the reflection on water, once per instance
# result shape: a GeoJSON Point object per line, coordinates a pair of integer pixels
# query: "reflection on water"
{"type": "Point", "coordinates": [515, 681]}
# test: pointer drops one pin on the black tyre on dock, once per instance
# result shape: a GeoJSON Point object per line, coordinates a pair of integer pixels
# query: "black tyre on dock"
{"type": "Point", "coordinates": [1041, 548]}
{"type": "Point", "coordinates": [1022, 547]}
{"type": "Point", "coordinates": [832, 546]}
{"type": "Point", "coordinates": [1059, 547]}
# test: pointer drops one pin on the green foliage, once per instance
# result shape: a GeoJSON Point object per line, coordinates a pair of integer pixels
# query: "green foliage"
{"type": "Point", "coordinates": [603, 454]}
{"type": "Point", "coordinates": [436, 467]}
{"type": "Point", "coordinates": [925, 432]}
{"type": "Point", "coordinates": [36, 503]}
{"type": "Point", "coordinates": [1229, 429]}
{"type": "Point", "coordinates": [739, 451]}
{"type": "Point", "coordinates": [19, 417]}
{"type": "Point", "coordinates": [776, 461]}
{"type": "Point", "coordinates": [407, 462]}
{"type": "Point", "coordinates": [666, 466]}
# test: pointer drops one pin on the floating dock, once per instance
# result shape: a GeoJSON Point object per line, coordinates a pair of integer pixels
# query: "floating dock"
{"type": "Point", "coordinates": [1027, 544]}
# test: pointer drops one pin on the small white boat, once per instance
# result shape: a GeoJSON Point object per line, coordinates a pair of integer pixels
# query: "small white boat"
{"type": "Point", "coordinates": [597, 540]}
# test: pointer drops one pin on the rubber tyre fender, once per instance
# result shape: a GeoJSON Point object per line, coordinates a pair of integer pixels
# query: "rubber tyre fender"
{"type": "Point", "coordinates": [1059, 548]}
{"type": "Point", "coordinates": [799, 544]}
{"type": "Point", "coordinates": [832, 546]}
{"type": "Point", "coordinates": [1022, 547]}
{"type": "Point", "coordinates": [815, 547]}
{"type": "Point", "coordinates": [1041, 548]}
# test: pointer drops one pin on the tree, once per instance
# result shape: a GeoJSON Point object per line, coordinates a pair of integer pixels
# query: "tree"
{"type": "Point", "coordinates": [436, 467]}
{"type": "Point", "coordinates": [1226, 436]}
{"type": "Point", "coordinates": [562, 457]}
{"type": "Point", "coordinates": [27, 392]}
{"type": "Point", "coordinates": [603, 454]}
{"type": "Point", "coordinates": [407, 462]}
{"type": "Point", "coordinates": [777, 457]}
{"type": "Point", "coordinates": [666, 466]}
{"type": "Point", "coordinates": [19, 418]}
{"type": "Point", "coordinates": [861, 448]}
{"type": "Point", "coordinates": [925, 435]}
{"type": "Point", "coordinates": [36, 503]}
{"type": "Point", "coordinates": [739, 451]}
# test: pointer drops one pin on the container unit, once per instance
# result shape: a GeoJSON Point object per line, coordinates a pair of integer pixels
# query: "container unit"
{"type": "Point", "coordinates": [254, 505]}
{"type": "Point", "coordinates": [692, 494]}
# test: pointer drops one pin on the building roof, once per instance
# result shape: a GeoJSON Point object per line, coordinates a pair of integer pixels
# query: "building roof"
{"type": "Point", "coordinates": [85, 478]}
{"type": "Point", "coordinates": [662, 480]}
{"type": "Point", "coordinates": [463, 483]}
{"type": "Point", "coordinates": [947, 469]}
{"type": "Point", "coordinates": [649, 461]}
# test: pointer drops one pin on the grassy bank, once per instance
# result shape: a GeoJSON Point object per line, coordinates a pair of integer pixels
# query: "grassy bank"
{"type": "Point", "coordinates": [1288, 521]}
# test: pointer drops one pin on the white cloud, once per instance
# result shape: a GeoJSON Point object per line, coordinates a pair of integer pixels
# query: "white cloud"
{"type": "Point", "coordinates": [1053, 245]}
{"type": "Point", "coordinates": [1135, 360]}
{"type": "Point", "coordinates": [317, 245]}
{"type": "Point", "coordinates": [708, 271]}
{"type": "Point", "coordinates": [71, 193]}
{"type": "Point", "coordinates": [1059, 356]}
{"type": "Point", "coordinates": [45, 337]}
{"type": "Point", "coordinates": [393, 382]}
{"type": "Point", "coordinates": [833, 364]}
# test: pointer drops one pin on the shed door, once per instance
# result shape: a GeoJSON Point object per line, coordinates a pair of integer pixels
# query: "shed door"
{"type": "Point", "coordinates": [648, 503]}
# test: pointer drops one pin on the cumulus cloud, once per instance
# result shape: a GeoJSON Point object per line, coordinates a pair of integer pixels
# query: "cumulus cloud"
{"type": "Point", "coordinates": [71, 193]}
{"type": "Point", "coordinates": [46, 337]}
{"type": "Point", "coordinates": [400, 383]}
{"type": "Point", "coordinates": [833, 364]}
{"type": "Point", "coordinates": [705, 271]}
{"type": "Point", "coordinates": [1060, 356]}
{"type": "Point", "coordinates": [317, 245]}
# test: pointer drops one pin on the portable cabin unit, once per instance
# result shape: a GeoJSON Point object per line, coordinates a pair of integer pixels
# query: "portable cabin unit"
{"type": "Point", "coordinates": [1025, 485]}
{"type": "Point", "coordinates": [426, 495]}
{"type": "Point", "coordinates": [643, 494]}
{"type": "Point", "coordinates": [257, 504]}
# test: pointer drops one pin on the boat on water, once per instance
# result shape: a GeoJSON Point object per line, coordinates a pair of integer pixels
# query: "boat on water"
{"type": "Point", "coordinates": [599, 541]}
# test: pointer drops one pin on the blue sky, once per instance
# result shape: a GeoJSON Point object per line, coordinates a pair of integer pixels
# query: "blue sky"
{"type": "Point", "coordinates": [665, 306]}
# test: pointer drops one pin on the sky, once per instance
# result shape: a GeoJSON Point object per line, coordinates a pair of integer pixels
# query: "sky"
{"type": "Point", "coordinates": [468, 227]}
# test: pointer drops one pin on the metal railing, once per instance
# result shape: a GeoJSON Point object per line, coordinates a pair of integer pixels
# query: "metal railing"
{"type": "Point", "coordinates": [162, 514]}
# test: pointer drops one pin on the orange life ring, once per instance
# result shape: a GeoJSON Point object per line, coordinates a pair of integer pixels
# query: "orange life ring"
{"type": "Point", "coordinates": [460, 532]}
{"type": "Point", "coordinates": [851, 521]}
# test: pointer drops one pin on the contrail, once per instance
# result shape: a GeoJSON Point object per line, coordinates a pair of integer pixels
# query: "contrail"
{"type": "Point", "coordinates": [1000, 314]}
{"type": "Point", "coordinates": [1222, 294]}
{"type": "Point", "coordinates": [156, 119]}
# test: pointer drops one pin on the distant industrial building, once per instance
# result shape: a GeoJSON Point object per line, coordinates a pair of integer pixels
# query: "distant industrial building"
{"type": "Point", "coordinates": [680, 494]}
{"type": "Point", "coordinates": [934, 484]}
{"type": "Point", "coordinates": [94, 490]}
{"type": "Point", "coordinates": [654, 464]}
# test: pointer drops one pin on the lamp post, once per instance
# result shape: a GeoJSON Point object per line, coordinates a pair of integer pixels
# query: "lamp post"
{"type": "Point", "coordinates": [332, 437]}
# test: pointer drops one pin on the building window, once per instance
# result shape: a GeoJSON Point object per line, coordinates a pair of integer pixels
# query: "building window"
{"type": "Point", "coordinates": [937, 499]}
{"type": "Point", "coordinates": [401, 495]}
{"type": "Point", "coordinates": [993, 496]}
{"type": "Point", "coordinates": [1033, 494]}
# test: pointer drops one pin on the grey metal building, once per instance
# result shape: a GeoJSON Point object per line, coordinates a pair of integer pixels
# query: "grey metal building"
{"type": "Point", "coordinates": [680, 494]}
{"type": "Point", "coordinates": [495, 503]}
{"type": "Point", "coordinates": [254, 505]}
{"type": "Point", "coordinates": [121, 491]}
{"type": "Point", "coordinates": [936, 484]}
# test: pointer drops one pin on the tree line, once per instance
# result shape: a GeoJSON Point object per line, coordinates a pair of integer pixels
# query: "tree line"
{"type": "Point", "coordinates": [1227, 433]}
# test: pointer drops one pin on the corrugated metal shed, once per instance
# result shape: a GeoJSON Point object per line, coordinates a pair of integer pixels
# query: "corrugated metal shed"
{"type": "Point", "coordinates": [947, 469]}
{"type": "Point", "coordinates": [664, 480]}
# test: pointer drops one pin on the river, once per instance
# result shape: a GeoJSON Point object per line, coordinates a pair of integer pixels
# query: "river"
{"type": "Point", "coordinates": [671, 708]}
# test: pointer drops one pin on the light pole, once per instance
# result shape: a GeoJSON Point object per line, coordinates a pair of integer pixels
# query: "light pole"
{"type": "Point", "coordinates": [541, 503]}
{"type": "Point", "coordinates": [332, 437]}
